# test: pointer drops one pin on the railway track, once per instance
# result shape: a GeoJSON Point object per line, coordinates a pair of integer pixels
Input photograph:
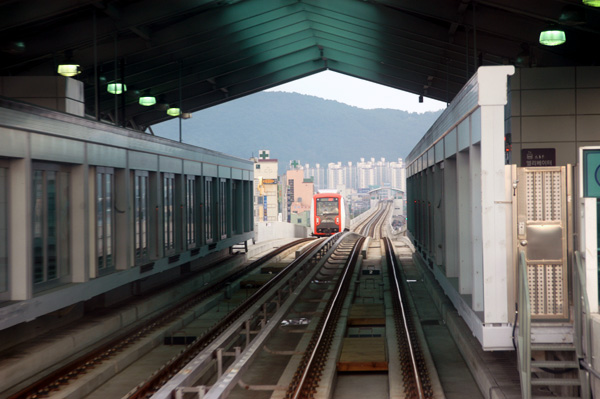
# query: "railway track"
{"type": "Point", "coordinates": [308, 374]}
{"type": "Point", "coordinates": [53, 383]}
{"type": "Point", "coordinates": [328, 275]}
{"type": "Point", "coordinates": [415, 376]}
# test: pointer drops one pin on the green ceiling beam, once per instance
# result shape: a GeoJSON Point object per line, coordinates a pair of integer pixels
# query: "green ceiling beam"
{"type": "Point", "coordinates": [212, 61]}
{"type": "Point", "coordinates": [227, 75]}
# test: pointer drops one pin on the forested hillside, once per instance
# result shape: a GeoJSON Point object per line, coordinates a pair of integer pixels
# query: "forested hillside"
{"type": "Point", "coordinates": [307, 128]}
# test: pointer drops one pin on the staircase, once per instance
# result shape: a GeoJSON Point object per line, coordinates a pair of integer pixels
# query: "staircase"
{"type": "Point", "coordinates": [551, 370]}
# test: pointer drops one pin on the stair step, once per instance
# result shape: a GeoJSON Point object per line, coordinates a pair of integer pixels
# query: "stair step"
{"type": "Point", "coordinates": [555, 382]}
{"type": "Point", "coordinates": [556, 364]}
{"type": "Point", "coordinates": [552, 347]}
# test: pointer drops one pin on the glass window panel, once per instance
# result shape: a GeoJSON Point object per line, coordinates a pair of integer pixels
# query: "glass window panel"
{"type": "Point", "coordinates": [109, 222]}
{"type": "Point", "coordinates": [38, 226]}
{"type": "Point", "coordinates": [63, 195]}
{"type": "Point", "coordinates": [141, 216]}
{"type": "Point", "coordinates": [100, 220]}
{"type": "Point", "coordinates": [191, 211]}
{"type": "Point", "coordinates": [168, 212]}
{"type": "Point", "coordinates": [137, 215]}
{"type": "Point", "coordinates": [51, 224]}
{"type": "Point", "coordinates": [52, 271]}
{"type": "Point", "coordinates": [3, 230]}
{"type": "Point", "coordinates": [144, 214]}
{"type": "Point", "coordinates": [208, 217]}
{"type": "Point", "coordinates": [223, 208]}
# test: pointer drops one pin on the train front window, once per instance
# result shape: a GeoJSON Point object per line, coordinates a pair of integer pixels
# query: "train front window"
{"type": "Point", "coordinates": [327, 207]}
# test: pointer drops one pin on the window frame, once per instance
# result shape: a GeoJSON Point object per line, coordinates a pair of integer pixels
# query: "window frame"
{"type": "Point", "coordinates": [62, 233]}
{"type": "Point", "coordinates": [141, 232]}
{"type": "Point", "coordinates": [169, 224]}
{"type": "Point", "coordinates": [209, 219]}
{"type": "Point", "coordinates": [222, 207]}
{"type": "Point", "coordinates": [101, 174]}
{"type": "Point", "coordinates": [191, 212]}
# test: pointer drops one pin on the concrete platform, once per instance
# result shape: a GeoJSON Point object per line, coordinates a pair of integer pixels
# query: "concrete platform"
{"type": "Point", "coordinates": [495, 373]}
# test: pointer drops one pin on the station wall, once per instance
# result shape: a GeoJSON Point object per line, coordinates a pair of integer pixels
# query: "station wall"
{"type": "Point", "coordinates": [86, 208]}
{"type": "Point", "coordinates": [556, 108]}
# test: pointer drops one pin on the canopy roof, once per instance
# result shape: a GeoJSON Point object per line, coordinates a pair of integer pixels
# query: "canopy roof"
{"type": "Point", "coordinates": [199, 53]}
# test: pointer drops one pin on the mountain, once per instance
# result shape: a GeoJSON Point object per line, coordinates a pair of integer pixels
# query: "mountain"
{"type": "Point", "coordinates": [306, 128]}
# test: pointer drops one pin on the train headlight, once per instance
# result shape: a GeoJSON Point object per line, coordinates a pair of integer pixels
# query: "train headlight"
{"type": "Point", "coordinates": [317, 220]}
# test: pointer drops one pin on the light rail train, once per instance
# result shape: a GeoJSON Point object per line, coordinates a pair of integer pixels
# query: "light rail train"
{"type": "Point", "coordinates": [328, 214]}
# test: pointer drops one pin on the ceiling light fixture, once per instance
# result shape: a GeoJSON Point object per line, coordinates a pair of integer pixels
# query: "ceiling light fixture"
{"type": "Point", "coordinates": [174, 111]}
{"type": "Point", "coordinates": [552, 36]}
{"type": "Point", "coordinates": [68, 67]}
{"type": "Point", "coordinates": [571, 15]}
{"type": "Point", "coordinates": [116, 88]}
{"type": "Point", "coordinates": [147, 101]}
{"type": "Point", "coordinates": [592, 3]}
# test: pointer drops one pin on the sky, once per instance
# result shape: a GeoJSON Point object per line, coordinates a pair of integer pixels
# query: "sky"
{"type": "Point", "coordinates": [359, 93]}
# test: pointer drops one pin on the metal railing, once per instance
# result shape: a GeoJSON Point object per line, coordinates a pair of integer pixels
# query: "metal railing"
{"type": "Point", "coordinates": [524, 336]}
{"type": "Point", "coordinates": [581, 309]}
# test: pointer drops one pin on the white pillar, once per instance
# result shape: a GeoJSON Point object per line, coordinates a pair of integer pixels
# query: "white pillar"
{"type": "Point", "coordinates": [465, 255]}
{"type": "Point", "coordinates": [451, 215]}
{"type": "Point", "coordinates": [492, 99]}
{"type": "Point", "coordinates": [20, 255]}
{"type": "Point", "coordinates": [80, 227]}
{"type": "Point", "coordinates": [477, 302]}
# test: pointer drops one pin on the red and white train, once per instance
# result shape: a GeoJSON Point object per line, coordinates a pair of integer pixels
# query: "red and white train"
{"type": "Point", "coordinates": [328, 213]}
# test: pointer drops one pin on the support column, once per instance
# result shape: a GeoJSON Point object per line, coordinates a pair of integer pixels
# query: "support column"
{"type": "Point", "coordinates": [20, 236]}
{"type": "Point", "coordinates": [80, 227]}
{"type": "Point", "coordinates": [477, 302]}
{"type": "Point", "coordinates": [124, 229]}
{"type": "Point", "coordinates": [465, 278]}
{"type": "Point", "coordinates": [438, 216]}
{"type": "Point", "coordinates": [451, 216]}
{"type": "Point", "coordinates": [495, 209]}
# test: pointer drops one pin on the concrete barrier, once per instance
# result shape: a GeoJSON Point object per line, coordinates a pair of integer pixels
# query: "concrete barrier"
{"type": "Point", "coordinates": [267, 231]}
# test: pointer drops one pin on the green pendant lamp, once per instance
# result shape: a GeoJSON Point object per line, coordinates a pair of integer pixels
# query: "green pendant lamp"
{"type": "Point", "coordinates": [552, 35]}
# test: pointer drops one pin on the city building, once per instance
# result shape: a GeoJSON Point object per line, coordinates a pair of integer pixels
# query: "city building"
{"type": "Point", "coordinates": [318, 174]}
{"type": "Point", "coordinates": [297, 193]}
{"type": "Point", "coordinates": [398, 175]}
{"type": "Point", "coordinates": [266, 207]}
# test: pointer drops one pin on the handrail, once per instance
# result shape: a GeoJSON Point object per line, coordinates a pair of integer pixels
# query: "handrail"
{"type": "Point", "coordinates": [581, 308]}
{"type": "Point", "coordinates": [524, 336]}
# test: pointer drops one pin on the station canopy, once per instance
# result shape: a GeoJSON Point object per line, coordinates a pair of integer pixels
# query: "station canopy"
{"type": "Point", "coordinates": [193, 54]}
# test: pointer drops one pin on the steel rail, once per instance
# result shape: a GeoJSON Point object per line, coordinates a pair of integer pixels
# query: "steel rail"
{"type": "Point", "coordinates": [361, 226]}
{"type": "Point", "coordinates": [225, 383]}
{"type": "Point", "coordinates": [195, 355]}
{"type": "Point", "coordinates": [368, 226]}
{"type": "Point", "coordinates": [392, 265]}
{"type": "Point", "coordinates": [81, 365]}
{"type": "Point", "coordinates": [334, 304]}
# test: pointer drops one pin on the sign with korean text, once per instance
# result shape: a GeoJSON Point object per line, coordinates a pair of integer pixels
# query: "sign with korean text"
{"type": "Point", "coordinates": [535, 157]}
